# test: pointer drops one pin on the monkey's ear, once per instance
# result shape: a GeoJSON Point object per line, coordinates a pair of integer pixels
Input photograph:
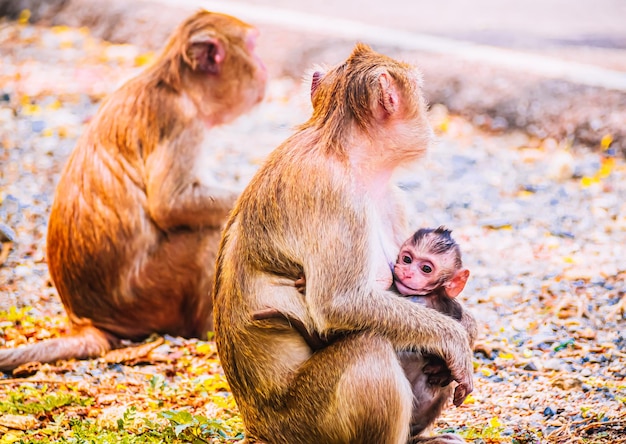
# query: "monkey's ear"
{"type": "Point", "coordinates": [456, 285]}
{"type": "Point", "coordinates": [316, 78]}
{"type": "Point", "coordinates": [206, 53]}
{"type": "Point", "coordinates": [388, 93]}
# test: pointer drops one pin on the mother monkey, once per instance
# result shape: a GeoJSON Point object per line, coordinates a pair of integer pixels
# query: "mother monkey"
{"type": "Point", "coordinates": [323, 206]}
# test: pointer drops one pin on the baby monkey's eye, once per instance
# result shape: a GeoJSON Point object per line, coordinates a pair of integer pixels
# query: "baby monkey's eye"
{"type": "Point", "coordinates": [407, 259]}
{"type": "Point", "coordinates": [427, 269]}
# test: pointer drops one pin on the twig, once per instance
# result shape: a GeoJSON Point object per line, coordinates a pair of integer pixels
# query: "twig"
{"type": "Point", "coordinates": [34, 381]}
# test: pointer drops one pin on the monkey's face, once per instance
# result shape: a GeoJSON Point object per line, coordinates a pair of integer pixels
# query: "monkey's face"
{"type": "Point", "coordinates": [415, 274]}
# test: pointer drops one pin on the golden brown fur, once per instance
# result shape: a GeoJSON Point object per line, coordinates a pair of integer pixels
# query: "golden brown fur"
{"type": "Point", "coordinates": [323, 196]}
{"type": "Point", "coordinates": [134, 229]}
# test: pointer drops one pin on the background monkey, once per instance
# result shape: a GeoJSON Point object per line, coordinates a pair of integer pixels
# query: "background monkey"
{"type": "Point", "coordinates": [133, 231]}
{"type": "Point", "coordinates": [429, 271]}
{"type": "Point", "coordinates": [323, 195]}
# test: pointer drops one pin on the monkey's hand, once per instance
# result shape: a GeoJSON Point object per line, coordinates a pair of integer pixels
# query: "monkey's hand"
{"type": "Point", "coordinates": [458, 356]}
{"type": "Point", "coordinates": [436, 371]}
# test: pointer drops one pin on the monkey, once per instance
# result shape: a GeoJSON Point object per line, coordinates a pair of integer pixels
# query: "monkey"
{"type": "Point", "coordinates": [134, 226]}
{"type": "Point", "coordinates": [428, 271]}
{"type": "Point", "coordinates": [326, 194]}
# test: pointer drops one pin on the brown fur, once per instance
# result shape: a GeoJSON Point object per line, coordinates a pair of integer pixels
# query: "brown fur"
{"type": "Point", "coordinates": [427, 374]}
{"type": "Point", "coordinates": [134, 230]}
{"type": "Point", "coordinates": [322, 196]}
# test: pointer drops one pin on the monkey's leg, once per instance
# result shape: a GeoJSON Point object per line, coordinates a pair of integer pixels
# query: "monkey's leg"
{"type": "Point", "coordinates": [428, 399]}
{"type": "Point", "coordinates": [170, 289]}
{"type": "Point", "coordinates": [360, 370]}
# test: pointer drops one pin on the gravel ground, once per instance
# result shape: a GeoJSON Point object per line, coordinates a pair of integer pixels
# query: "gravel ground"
{"type": "Point", "coordinates": [542, 227]}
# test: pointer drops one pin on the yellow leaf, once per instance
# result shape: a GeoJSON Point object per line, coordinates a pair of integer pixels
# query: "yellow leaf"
{"type": "Point", "coordinates": [11, 436]}
{"type": "Point", "coordinates": [495, 422]}
{"type": "Point", "coordinates": [569, 260]}
{"type": "Point", "coordinates": [60, 29]}
{"type": "Point", "coordinates": [606, 167]}
{"type": "Point", "coordinates": [24, 100]}
{"type": "Point", "coordinates": [469, 400]}
{"type": "Point", "coordinates": [31, 110]}
{"type": "Point", "coordinates": [486, 372]}
{"type": "Point", "coordinates": [444, 125]}
{"type": "Point", "coordinates": [606, 141]}
{"type": "Point", "coordinates": [144, 59]}
{"type": "Point", "coordinates": [524, 193]}
{"type": "Point", "coordinates": [527, 353]}
{"type": "Point", "coordinates": [504, 355]}
{"type": "Point", "coordinates": [54, 105]}
{"type": "Point", "coordinates": [204, 348]}
{"type": "Point", "coordinates": [24, 17]}
{"type": "Point", "coordinates": [588, 181]}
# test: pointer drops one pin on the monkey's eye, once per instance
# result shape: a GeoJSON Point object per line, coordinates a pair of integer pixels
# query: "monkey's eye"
{"type": "Point", "coordinates": [407, 259]}
{"type": "Point", "coordinates": [427, 268]}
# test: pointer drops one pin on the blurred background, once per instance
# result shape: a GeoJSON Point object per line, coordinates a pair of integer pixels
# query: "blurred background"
{"type": "Point", "coordinates": [554, 68]}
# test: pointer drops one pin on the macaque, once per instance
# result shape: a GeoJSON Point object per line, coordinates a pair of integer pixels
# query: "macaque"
{"type": "Point", "coordinates": [134, 227]}
{"type": "Point", "coordinates": [429, 271]}
{"type": "Point", "coordinates": [322, 197]}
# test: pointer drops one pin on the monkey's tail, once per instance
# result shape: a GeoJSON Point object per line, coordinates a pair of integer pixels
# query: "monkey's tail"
{"type": "Point", "coordinates": [87, 342]}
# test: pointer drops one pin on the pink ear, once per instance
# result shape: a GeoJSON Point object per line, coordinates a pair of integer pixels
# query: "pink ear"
{"type": "Point", "coordinates": [388, 93]}
{"type": "Point", "coordinates": [456, 285]}
{"type": "Point", "coordinates": [315, 81]}
{"type": "Point", "coordinates": [207, 54]}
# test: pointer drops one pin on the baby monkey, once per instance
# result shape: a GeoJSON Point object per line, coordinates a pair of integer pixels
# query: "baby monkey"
{"type": "Point", "coordinates": [429, 271]}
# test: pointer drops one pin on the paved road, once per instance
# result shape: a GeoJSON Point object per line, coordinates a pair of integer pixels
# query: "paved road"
{"type": "Point", "coordinates": [593, 31]}
{"type": "Point", "coordinates": [531, 23]}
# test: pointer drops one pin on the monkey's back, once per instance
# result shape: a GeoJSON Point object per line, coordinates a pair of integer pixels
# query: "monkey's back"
{"type": "Point", "coordinates": [98, 225]}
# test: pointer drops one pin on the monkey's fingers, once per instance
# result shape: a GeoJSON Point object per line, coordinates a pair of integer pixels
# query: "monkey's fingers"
{"type": "Point", "coordinates": [463, 390]}
{"type": "Point", "coordinates": [460, 394]}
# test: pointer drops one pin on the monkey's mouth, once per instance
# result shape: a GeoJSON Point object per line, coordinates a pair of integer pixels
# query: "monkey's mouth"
{"type": "Point", "coordinates": [404, 289]}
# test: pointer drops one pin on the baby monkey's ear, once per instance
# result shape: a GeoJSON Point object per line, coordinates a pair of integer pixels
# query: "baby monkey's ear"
{"type": "Point", "coordinates": [457, 283]}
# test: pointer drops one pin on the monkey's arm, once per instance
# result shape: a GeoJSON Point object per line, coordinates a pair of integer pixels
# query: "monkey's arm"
{"type": "Point", "coordinates": [176, 196]}
{"type": "Point", "coordinates": [272, 315]}
{"type": "Point", "coordinates": [469, 323]}
{"type": "Point", "coordinates": [345, 298]}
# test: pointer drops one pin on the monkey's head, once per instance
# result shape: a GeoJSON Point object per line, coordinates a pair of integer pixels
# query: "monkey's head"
{"type": "Point", "coordinates": [375, 95]}
{"type": "Point", "coordinates": [429, 260]}
{"type": "Point", "coordinates": [211, 58]}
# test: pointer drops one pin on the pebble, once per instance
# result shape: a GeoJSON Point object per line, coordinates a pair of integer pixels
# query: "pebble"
{"type": "Point", "coordinates": [549, 411]}
{"type": "Point", "coordinates": [561, 166]}
{"type": "Point", "coordinates": [503, 293]}
{"type": "Point", "coordinates": [531, 366]}
{"type": "Point", "coordinates": [553, 364]}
